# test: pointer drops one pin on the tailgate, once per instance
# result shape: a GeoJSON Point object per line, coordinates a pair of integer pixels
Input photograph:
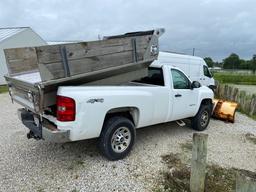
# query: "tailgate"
{"type": "Point", "coordinates": [24, 93]}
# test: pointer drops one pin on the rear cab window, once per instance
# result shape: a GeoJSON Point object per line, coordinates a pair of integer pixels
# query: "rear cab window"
{"type": "Point", "coordinates": [155, 77]}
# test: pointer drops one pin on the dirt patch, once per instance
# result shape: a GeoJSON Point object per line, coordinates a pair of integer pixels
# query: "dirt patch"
{"type": "Point", "coordinates": [176, 179]}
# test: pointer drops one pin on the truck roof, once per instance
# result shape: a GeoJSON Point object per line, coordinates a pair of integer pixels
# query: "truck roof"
{"type": "Point", "coordinates": [167, 58]}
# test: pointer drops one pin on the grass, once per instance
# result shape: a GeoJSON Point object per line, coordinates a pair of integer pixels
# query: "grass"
{"type": "Point", "coordinates": [75, 190]}
{"type": "Point", "coordinates": [234, 78]}
{"type": "Point", "coordinates": [76, 165]}
{"type": "Point", "coordinates": [3, 89]}
{"type": "Point", "coordinates": [177, 178]}
{"type": "Point", "coordinates": [187, 146]}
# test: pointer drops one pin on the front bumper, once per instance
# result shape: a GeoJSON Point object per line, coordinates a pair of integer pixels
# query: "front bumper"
{"type": "Point", "coordinates": [43, 130]}
{"type": "Point", "coordinates": [212, 87]}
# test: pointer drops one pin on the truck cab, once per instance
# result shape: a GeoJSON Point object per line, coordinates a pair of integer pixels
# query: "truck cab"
{"type": "Point", "coordinates": [195, 67]}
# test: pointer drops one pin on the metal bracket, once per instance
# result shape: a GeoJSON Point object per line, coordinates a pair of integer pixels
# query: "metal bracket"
{"type": "Point", "coordinates": [134, 50]}
{"type": "Point", "coordinates": [63, 53]}
{"type": "Point", "coordinates": [181, 123]}
{"type": "Point", "coordinates": [158, 32]}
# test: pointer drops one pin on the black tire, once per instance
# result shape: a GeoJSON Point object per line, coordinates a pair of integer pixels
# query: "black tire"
{"type": "Point", "coordinates": [110, 142]}
{"type": "Point", "coordinates": [202, 118]}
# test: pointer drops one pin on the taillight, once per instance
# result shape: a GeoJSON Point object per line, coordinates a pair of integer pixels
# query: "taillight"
{"type": "Point", "coordinates": [66, 109]}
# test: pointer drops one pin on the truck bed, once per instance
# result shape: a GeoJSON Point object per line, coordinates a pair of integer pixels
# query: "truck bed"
{"type": "Point", "coordinates": [35, 73]}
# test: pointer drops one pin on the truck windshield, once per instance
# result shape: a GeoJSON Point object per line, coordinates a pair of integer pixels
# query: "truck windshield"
{"type": "Point", "coordinates": [207, 73]}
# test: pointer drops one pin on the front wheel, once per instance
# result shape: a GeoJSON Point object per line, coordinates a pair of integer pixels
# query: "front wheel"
{"type": "Point", "coordinates": [117, 138]}
{"type": "Point", "coordinates": [202, 118]}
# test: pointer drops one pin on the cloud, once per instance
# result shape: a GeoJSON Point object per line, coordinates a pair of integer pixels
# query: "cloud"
{"type": "Point", "coordinates": [214, 27]}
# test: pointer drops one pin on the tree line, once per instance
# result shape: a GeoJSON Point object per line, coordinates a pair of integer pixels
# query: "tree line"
{"type": "Point", "coordinates": [233, 61]}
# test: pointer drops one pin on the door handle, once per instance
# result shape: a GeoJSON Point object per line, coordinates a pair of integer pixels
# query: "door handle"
{"type": "Point", "coordinates": [178, 95]}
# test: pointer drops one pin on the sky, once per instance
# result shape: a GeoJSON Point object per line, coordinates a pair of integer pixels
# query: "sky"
{"type": "Point", "coordinates": [214, 28]}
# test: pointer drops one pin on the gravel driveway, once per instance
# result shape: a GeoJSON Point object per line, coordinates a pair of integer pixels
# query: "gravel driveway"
{"type": "Point", "coordinates": [29, 165]}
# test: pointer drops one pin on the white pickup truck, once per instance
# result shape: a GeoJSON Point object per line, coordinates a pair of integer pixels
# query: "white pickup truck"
{"type": "Point", "coordinates": [54, 84]}
{"type": "Point", "coordinates": [113, 113]}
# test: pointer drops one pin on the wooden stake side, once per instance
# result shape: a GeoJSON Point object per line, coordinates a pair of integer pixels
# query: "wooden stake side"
{"type": "Point", "coordinates": [198, 166]}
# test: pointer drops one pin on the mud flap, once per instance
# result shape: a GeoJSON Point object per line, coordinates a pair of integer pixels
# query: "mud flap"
{"type": "Point", "coordinates": [28, 120]}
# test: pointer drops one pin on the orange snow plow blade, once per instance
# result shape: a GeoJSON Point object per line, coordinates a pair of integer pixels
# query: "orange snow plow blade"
{"type": "Point", "coordinates": [224, 110]}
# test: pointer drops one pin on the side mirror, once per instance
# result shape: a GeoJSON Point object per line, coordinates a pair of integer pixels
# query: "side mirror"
{"type": "Point", "coordinates": [195, 84]}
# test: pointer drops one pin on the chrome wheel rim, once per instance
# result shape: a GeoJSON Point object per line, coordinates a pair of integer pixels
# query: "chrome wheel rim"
{"type": "Point", "coordinates": [204, 118]}
{"type": "Point", "coordinates": [121, 139]}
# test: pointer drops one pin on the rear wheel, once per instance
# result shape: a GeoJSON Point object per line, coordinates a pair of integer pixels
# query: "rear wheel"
{"type": "Point", "coordinates": [117, 138]}
{"type": "Point", "coordinates": [202, 118]}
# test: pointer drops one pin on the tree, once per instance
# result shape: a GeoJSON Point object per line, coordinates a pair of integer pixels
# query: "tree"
{"type": "Point", "coordinates": [244, 64]}
{"type": "Point", "coordinates": [209, 61]}
{"type": "Point", "coordinates": [253, 63]}
{"type": "Point", "coordinates": [232, 62]}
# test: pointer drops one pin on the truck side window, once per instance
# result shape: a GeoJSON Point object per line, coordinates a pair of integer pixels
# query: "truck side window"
{"type": "Point", "coordinates": [207, 72]}
{"type": "Point", "coordinates": [180, 81]}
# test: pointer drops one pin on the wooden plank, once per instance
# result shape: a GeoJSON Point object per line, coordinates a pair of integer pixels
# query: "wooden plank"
{"type": "Point", "coordinates": [51, 54]}
{"type": "Point", "coordinates": [246, 182]}
{"type": "Point", "coordinates": [21, 60]}
{"type": "Point", "coordinates": [198, 166]}
{"type": "Point", "coordinates": [55, 70]}
{"type": "Point", "coordinates": [82, 57]}
{"type": "Point", "coordinates": [51, 71]}
{"type": "Point", "coordinates": [99, 62]}
{"type": "Point", "coordinates": [95, 75]}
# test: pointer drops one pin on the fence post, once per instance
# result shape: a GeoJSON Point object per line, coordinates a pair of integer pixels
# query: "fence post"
{"type": "Point", "coordinates": [246, 182]}
{"type": "Point", "coordinates": [198, 164]}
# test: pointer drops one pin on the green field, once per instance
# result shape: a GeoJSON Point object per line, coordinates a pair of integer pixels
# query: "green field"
{"type": "Point", "coordinates": [234, 78]}
{"type": "Point", "coordinates": [3, 88]}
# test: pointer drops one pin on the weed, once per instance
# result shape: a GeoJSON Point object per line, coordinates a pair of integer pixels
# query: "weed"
{"type": "Point", "coordinates": [3, 88]}
{"type": "Point", "coordinates": [40, 189]}
{"type": "Point", "coordinates": [75, 190]}
{"type": "Point", "coordinates": [187, 146]}
{"type": "Point", "coordinates": [177, 178]}
{"type": "Point", "coordinates": [250, 137]}
{"type": "Point", "coordinates": [76, 164]}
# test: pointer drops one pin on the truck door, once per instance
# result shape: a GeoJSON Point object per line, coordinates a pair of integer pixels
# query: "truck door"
{"type": "Point", "coordinates": [184, 98]}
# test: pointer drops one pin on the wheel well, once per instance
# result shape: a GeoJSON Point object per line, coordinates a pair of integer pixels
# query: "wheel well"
{"type": "Point", "coordinates": [207, 102]}
{"type": "Point", "coordinates": [131, 113]}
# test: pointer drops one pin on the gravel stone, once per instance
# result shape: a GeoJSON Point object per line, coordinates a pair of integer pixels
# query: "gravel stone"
{"type": "Point", "coordinates": [29, 165]}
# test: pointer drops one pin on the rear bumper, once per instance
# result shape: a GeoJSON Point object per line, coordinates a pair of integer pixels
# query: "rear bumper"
{"type": "Point", "coordinates": [42, 131]}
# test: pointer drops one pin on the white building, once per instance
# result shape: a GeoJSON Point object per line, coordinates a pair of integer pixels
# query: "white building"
{"type": "Point", "coordinates": [14, 37]}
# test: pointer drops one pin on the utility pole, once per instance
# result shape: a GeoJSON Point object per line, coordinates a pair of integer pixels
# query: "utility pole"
{"type": "Point", "coordinates": [194, 51]}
